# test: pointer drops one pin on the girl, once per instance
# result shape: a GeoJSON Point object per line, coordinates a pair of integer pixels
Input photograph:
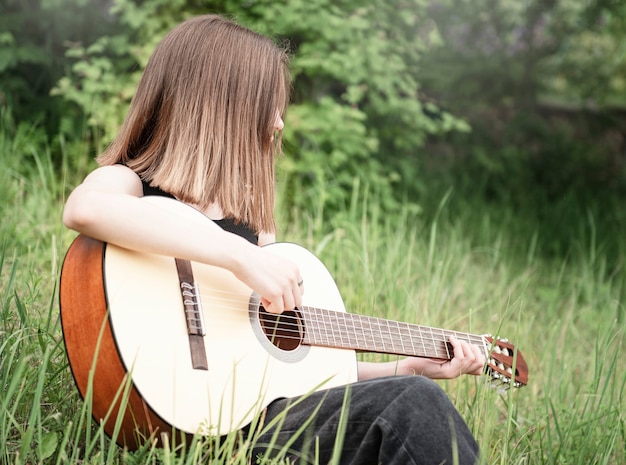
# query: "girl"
{"type": "Point", "coordinates": [204, 127]}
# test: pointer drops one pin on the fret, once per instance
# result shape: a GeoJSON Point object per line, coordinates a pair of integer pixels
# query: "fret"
{"type": "Point", "coordinates": [351, 337]}
{"type": "Point", "coordinates": [312, 315]}
{"type": "Point", "coordinates": [338, 333]}
{"type": "Point", "coordinates": [319, 329]}
{"type": "Point", "coordinates": [423, 340]}
{"type": "Point", "coordinates": [349, 320]}
{"type": "Point", "coordinates": [445, 346]}
{"type": "Point", "coordinates": [416, 336]}
{"type": "Point", "coordinates": [397, 339]}
{"type": "Point", "coordinates": [404, 336]}
{"type": "Point", "coordinates": [411, 338]}
{"type": "Point", "coordinates": [313, 330]}
{"type": "Point", "coordinates": [381, 336]}
{"type": "Point", "coordinates": [432, 343]}
{"type": "Point", "coordinates": [390, 346]}
{"type": "Point", "coordinates": [400, 338]}
{"type": "Point", "coordinates": [377, 336]}
{"type": "Point", "coordinates": [362, 327]}
{"type": "Point", "coordinates": [441, 348]}
{"type": "Point", "coordinates": [356, 332]}
{"type": "Point", "coordinates": [328, 329]}
{"type": "Point", "coordinates": [343, 329]}
{"type": "Point", "coordinates": [369, 333]}
{"type": "Point", "coordinates": [389, 337]}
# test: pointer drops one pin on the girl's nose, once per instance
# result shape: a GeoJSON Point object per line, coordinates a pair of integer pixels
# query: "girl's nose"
{"type": "Point", "coordinates": [279, 123]}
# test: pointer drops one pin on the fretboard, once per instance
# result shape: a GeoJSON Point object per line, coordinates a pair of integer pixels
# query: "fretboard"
{"type": "Point", "coordinates": [368, 334]}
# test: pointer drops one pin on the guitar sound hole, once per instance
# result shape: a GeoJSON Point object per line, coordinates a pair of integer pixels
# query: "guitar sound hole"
{"type": "Point", "coordinates": [284, 331]}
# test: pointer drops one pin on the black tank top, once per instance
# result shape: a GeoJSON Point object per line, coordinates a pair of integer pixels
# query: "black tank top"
{"type": "Point", "coordinates": [227, 224]}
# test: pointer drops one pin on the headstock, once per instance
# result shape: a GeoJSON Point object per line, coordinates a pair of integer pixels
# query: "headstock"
{"type": "Point", "coordinates": [505, 363]}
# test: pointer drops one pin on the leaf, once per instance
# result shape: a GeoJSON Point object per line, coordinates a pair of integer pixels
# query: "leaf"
{"type": "Point", "coordinates": [48, 445]}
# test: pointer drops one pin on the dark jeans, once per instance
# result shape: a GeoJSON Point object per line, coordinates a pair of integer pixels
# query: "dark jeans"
{"type": "Point", "coordinates": [389, 421]}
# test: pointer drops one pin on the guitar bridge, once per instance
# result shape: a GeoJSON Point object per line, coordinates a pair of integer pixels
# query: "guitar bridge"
{"type": "Point", "coordinates": [194, 316]}
{"type": "Point", "coordinates": [193, 309]}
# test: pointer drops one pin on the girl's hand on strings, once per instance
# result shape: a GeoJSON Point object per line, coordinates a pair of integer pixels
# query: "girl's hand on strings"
{"type": "Point", "coordinates": [276, 279]}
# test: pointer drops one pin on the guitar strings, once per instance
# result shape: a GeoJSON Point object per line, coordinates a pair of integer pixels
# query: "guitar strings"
{"type": "Point", "coordinates": [434, 345]}
{"type": "Point", "coordinates": [382, 338]}
{"type": "Point", "coordinates": [239, 303]}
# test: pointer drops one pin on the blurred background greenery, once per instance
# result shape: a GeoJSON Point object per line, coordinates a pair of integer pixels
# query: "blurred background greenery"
{"type": "Point", "coordinates": [509, 103]}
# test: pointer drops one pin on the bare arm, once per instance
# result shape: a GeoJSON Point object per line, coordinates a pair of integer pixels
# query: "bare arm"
{"type": "Point", "coordinates": [108, 206]}
{"type": "Point", "coordinates": [468, 359]}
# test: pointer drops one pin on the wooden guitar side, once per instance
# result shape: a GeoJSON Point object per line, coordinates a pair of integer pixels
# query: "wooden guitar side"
{"type": "Point", "coordinates": [85, 324]}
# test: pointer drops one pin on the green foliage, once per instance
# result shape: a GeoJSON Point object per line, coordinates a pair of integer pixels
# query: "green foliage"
{"type": "Point", "coordinates": [514, 52]}
{"type": "Point", "coordinates": [104, 74]}
{"type": "Point", "coordinates": [589, 64]}
{"type": "Point", "coordinates": [33, 41]}
{"type": "Point", "coordinates": [357, 109]}
{"type": "Point", "coordinates": [539, 84]}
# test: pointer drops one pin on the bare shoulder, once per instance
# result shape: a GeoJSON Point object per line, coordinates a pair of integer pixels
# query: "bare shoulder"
{"type": "Point", "coordinates": [103, 189]}
{"type": "Point", "coordinates": [114, 178]}
{"type": "Point", "coordinates": [266, 238]}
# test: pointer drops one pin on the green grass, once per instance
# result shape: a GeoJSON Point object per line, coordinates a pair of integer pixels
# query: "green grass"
{"type": "Point", "coordinates": [461, 269]}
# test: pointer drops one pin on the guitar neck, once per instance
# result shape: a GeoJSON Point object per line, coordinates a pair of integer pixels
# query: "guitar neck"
{"type": "Point", "coordinates": [369, 334]}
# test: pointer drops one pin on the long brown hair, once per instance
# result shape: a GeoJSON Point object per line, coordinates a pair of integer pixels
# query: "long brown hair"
{"type": "Point", "coordinates": [200, 124]}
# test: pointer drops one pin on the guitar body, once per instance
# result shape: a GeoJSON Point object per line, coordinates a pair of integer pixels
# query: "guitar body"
{"type": "Point", "coordinates": [123, 315]}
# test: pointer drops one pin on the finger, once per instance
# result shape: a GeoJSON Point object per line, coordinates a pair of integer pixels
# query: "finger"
{"type": "Point", "coordinates": [480, 360]}
{"type": "Point", "coordinates": [289, 301]}
{"type": "Point", "coordinates": [457, 347]}
{"type": "Point", "coordinates": [468, 350]}
{"type": "Point", "coordinates": [473, 361]}
{"type": "Point", "coordinates": [479, 354]}
{"type": "Point", "coordinates": [293, 297]}
{"type": "Point", "coordinates": [276, 306]}
{"type": "Point", "coordinates": [298, 293]}
{"type": "Point", "coordinates": [296, 300]}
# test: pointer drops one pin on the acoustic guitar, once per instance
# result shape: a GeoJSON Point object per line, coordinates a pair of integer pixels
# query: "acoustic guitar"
{"type": "Point", "coordinates": [160, 345]}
